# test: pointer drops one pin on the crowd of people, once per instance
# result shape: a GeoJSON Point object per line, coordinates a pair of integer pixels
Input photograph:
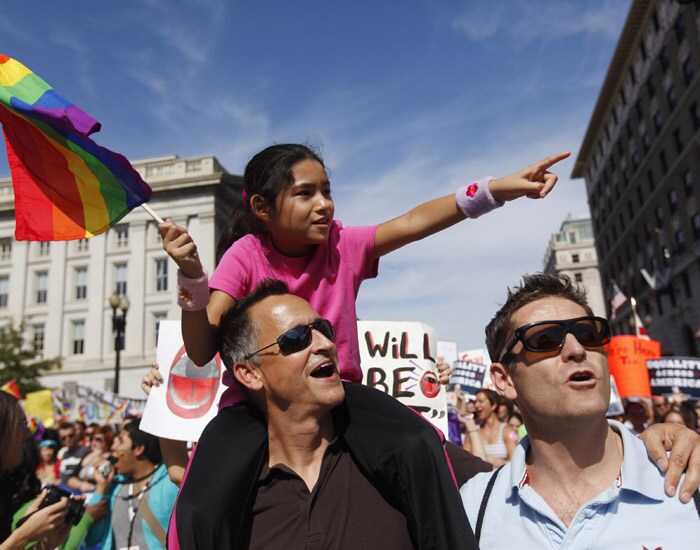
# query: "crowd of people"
{"type": "Point", "coordinates": [295, 426]}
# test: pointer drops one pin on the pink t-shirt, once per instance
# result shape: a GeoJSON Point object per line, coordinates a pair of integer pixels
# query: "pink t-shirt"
{"type": "Point", "coordinates": [329, 279]}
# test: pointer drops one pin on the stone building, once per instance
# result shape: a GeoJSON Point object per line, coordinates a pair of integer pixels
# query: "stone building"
{"type": "Point", "coordinates": [640, 158]}
{"type": "Point", "coordinates": [572, 252]}
{"type": "Point", "coordinates": [61, 290]}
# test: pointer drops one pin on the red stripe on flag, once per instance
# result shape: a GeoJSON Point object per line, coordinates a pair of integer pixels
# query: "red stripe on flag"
{"type": "Point", "coordinates": [48, 201]}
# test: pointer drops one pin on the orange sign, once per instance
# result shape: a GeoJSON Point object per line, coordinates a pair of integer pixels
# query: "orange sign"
{"type": "Point", "coordinates": [627, 359]}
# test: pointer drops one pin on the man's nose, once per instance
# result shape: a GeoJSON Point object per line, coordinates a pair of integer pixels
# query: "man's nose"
{"type": "Point", "coordinates": [320, 341]}
{"type": "Point", "coordinates": [572, 349]}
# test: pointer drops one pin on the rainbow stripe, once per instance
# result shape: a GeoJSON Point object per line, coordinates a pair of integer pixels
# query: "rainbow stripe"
{"type": "Point", "coordinates": [66, 186]}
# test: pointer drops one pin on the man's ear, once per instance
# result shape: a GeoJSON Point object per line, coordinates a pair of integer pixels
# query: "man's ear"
{"type": "Point", "coordinates": [247, 375]}
{"type": "Point", "coordinates": [501, 378]}
{"type": "Point", "coordinates": [260, 208]}
{"type": "Point", "coordinates": [139, 451]}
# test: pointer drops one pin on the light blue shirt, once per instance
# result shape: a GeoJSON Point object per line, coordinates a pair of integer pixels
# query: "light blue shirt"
{"type": "Point", "coordinates": [635, 515]}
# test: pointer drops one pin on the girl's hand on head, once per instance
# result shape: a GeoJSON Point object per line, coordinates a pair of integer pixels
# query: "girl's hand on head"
{"type": "Point", "coordinates": [534, 181]}
{"type": "Point", "coordinates": [179, 245]}
{"type": "Point", "coordinates": [150, 379]}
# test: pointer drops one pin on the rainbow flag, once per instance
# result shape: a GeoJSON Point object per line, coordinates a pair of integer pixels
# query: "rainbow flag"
{"type": "Point", "coordinates": [66, 186]}
{"type": "Point", "coordinates": [11, 388]}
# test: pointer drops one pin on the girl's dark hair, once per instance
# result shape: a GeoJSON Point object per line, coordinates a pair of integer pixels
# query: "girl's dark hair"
{"type": "Point", "coordinates": [10, 416]}
{"type": "Point", "coordinates": [267, 174]}
{"type": "Point", "coordinates": [18, 485]}
{"type": "Point", "coordinates": [493, 397]}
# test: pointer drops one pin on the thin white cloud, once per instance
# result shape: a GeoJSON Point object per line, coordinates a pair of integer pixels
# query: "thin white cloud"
{"type": "Point", "coordinates": [521, 22]}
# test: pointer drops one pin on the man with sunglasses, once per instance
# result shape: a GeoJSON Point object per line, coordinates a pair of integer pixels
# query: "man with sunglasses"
{"type": "Point", "coordinates": [312, 484]}
{"type": "Point", "coordinates": [577, 479]}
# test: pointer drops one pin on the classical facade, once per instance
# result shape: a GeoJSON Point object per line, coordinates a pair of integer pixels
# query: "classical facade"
{"type": "Point", "coordinates": [571, 252]}
{"type": "Point", "coordinates": [640, 159]}
{"type": "Point", "coordinates": [61, 290]}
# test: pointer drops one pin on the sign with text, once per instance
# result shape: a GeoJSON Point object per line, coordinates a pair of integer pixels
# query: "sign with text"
{"type": "Point", "coordinates": [104, 406]}
{"type": "Point", "coordinates": [627, 357]}
{"type": "Point", "coordinates": [469, 376]}
{"type": "Point", "coordinates": [479, 356]}
{"type": "Point", "coordinates": [188, 398]}
{"type": "Point", "coordinates": [400, 359]}
{"type": "Point", "coordinates": [675, 374]}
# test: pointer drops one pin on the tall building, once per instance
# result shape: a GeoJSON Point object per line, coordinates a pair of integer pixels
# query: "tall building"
{"type": "Point", "coordinates": [61, 290]}
{"type": "Point", "coordinates": [640, 159]}
{"type": "Point", "coordinates": [572, 252]}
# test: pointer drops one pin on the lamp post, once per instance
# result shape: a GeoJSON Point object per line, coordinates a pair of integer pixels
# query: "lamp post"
{"type": "Point", "coordinates": [119, 304]}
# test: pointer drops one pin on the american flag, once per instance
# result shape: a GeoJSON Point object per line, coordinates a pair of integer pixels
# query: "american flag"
{"type": "Point", "coordinates": [617, 301]}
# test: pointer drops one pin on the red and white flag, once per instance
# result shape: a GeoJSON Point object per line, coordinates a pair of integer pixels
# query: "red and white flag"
{"type": "Point", "coordinates": [639, 329]}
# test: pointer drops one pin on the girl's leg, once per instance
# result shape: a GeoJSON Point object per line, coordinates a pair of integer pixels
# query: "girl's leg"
{"type": "Point", "coordinates": [214, 506]}
{"type": "Point", "coordinates": [401, 450]}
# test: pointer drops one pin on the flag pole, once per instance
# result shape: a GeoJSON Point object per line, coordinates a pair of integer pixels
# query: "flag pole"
{"type": "Point", "coordinates": [151, 213]}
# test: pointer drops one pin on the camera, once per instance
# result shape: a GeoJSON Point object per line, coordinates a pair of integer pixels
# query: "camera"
{"type": "Point", "coordinates": [106, 467]}
{"type": "Point", "coordinates": [75, 508]}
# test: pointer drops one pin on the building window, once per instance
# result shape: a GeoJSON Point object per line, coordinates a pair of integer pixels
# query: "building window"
{"type": "Point", "coordinates": [120, 278]}
{"type": "Point", "coordinates": [575, 257]}
{"type": "Point", "coordinates": [646, 142]}
{"type": "Point", "coordinates": [651, 89]}
{"type": "Point", "coordinates": [4, 289]}
{"type": "Point", "coordinates": [664, 59]}
{"type": "Point", "coordinates": [82, 245]}
{"type": "Point", "coordinates": [78, 336]}
{"type": "Point", "coordinates": [688, 71]}
{"type": "Point", "coordinates": [680, 240]}
{"type": "Point", "coordinates": [122, 236]}
{"type": "Point", "coordinates": [688, 182]}
{"type": "Point", "coordinates": [678, 141]}
{"type": "Point", "coordinates": [650, 181]}
{"type": "Point", "coordinates": [672, 98]}
{"type": "Point", "coordinates": [80, 283]}
{"type": "Point", "coordinates": [695, 115]}
{"type": "Point", "coordinates": [663, 161]}
{"type": "Point", "coordinates": [647, 230]}
{"type": "Point", "coordinates": [673, 201]}
{"type": "Point", "coordinates": [659, 213]}
{"type": "Point", "coordinates": [696, 226]}
{"type": "Point", "coordinates": [578, 277]}
{"type": "Point", "coordinates": [44, 248]}
{"type": "Point", "coordinates": [5, 249]}
{"type": "Point", "coordinates": [572, 237]}
{"type": "Point", "coordinates": [38, 339]}
{"type": "Point", "coordinates": [157, 318]}
{"type": "Point", "coordinates": [161, 275]}
{"type": "Point", "coordinates": [679, 27]}
{"type": "Point", "coordinates": [658, 121]}
{"type": "Point", "coordinates": [41, 283]}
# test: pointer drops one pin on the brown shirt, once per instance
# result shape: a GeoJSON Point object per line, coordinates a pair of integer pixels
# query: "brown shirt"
{"type": "Point", "coordinates": [344, 510]}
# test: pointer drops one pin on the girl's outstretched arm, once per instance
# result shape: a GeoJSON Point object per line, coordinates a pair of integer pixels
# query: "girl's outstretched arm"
{"type": "Point", "coordinates": [198, 327]}
{"type": "Point", "coordinates": [534, 181]}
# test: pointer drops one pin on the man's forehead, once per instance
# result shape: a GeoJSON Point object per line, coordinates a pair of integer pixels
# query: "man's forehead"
{"type": "Point", "coordinates": [547, 309]}
{"type": "Point", "coordinates": [285, 310]}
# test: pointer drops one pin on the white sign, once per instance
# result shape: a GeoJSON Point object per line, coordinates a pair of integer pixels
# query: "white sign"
{"type": "Point", "coordinates": [189, 396]}
{"type": "Point", "coordinates": [479, 356]}
{"type": "Point", "coordinates": [447, 351]}
{"type": "Point", "coordinates": [400, 358]}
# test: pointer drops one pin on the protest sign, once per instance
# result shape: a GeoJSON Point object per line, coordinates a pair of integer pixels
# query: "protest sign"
{"type": "Point", "coordinates": [98, 406]}
{"type": "Point", "coordinates": [40, 404]}
{"type": "Point", "coordinates": [188, 398]}
{"type": "Point", "coordinates": [446, 351]}
{"type": "Point", "coordinates": [627, 356]}
{"type": "Point", "coordinates": [675, 374]}
{"type": "Point", "coordinates": [399, 358]}
{"type": "Point", "coordinates": [469, 376]}
{"type": "Point", "coordinates": [615, 407]}
{"type": "Point", "coordinates": [479, 356]}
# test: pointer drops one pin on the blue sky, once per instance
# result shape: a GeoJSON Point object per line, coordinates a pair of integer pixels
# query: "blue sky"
{"type": "Point", "coordinates": [408, 100]}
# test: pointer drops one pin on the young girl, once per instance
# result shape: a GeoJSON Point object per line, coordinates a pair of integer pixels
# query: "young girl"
{"type": "Point", "coordinates": [286, 230]}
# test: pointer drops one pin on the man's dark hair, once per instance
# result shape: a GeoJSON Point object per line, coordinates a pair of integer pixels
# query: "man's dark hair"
{"type": "Point", "coordinates": [149, 441]}
{"type": "Point", "coordinates": [534, 287]}
{"type": "Point", "coordinates": [66, 426]}
{"type": "Point", "coordinates": [237, 331]}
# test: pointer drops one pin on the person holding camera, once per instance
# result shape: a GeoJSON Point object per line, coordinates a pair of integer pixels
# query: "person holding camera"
{"type": "Point", "coordinates": [139, 494]}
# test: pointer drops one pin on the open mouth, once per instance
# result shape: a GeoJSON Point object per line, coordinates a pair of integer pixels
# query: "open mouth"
{"type": "Point", "coordinates": [324, 371]}
{"type": "Point", "coordinates": [322, 221]}
{"type": "Point", "coordinates": [582, 376]}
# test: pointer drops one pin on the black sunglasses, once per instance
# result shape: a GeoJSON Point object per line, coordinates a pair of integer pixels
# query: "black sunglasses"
{"type": "Point", "coordinates": [545, 336]}
{"type": "Point", "coordinates": [299, 338]}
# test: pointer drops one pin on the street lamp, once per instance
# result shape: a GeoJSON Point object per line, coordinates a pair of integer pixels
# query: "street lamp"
{"type": "Point", "coordinates": [121, 304]}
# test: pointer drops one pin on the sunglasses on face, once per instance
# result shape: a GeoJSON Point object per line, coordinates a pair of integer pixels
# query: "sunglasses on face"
{"type": "Point", "coordinates": [299, 338]}
{"type": "Point", "coordinates": [546, 336]}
